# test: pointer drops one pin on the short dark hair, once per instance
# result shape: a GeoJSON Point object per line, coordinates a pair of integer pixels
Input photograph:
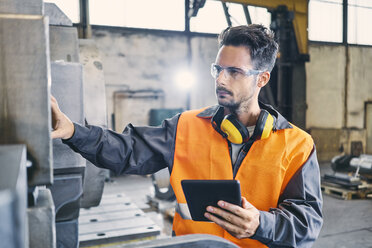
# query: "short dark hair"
{"type": "Point", "coordinates": [258, 39]}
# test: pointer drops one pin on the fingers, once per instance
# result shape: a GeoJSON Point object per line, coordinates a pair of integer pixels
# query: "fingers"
{"type": "Point", "coordinates": [224, 224]}
{"type": "Point", "coordinates": [229, 217]}
{"type": "Point", "coordinates": [230, 207]}
{"type": "Point", "coordinates": [239, 221]}
{"type": "Point", "coordinates": [54, 104]}
{"type": "Point", "coordinates": [246, 204]}
{"type": "Point", "coordinates": [56, 134]}
{"type": "Point", "coordinates": [61, 124]}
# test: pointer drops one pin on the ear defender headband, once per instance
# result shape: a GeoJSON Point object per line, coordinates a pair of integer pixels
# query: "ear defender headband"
{"type": "Point", "coordinates": [237, 133]}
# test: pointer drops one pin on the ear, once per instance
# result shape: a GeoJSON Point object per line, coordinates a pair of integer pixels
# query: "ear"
{"type": "Point", "coordinates": [263, 79]}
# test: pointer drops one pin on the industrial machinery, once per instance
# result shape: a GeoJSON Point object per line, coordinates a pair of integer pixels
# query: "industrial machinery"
{"type": "Point", "coordinates": [40, 55]}
{"type": "Point", "coordinates": [351, 177]}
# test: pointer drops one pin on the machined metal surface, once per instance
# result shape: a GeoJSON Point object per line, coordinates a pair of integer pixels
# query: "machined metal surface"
{"type": "Point", "coordinates": [94, 182]}
{"type": "Point", "coordinates": [28, 7]}
{"type": "Point", "coordinates": [66, 191]}
{"type": "Point", "coordinates": [13, 195]}
{"type": "Point", "coordinates": [67, 234]}
{"type": "Point", "coordinates": [116, 219]}
{"type": "Point", "coordinates": [24, 90]}
{"type": "Point", "coordinates": [64, 44]}
{"type": "Point", "coordinates": [67, 88]}
{"type": "Point", "coordinates": [56, 16]}
{"type": "Point", "coordinates": [95, 113]}
{"type": "Point", "coordinates": [186, 241]}
{"type": "Point", "coordinates": [41, 221]}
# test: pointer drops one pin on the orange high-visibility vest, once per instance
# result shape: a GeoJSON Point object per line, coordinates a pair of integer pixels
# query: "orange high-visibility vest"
{"type": "Point", "coordinates": [202, 153]}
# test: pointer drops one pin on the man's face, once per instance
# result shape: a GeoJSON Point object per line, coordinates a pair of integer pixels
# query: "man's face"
{"type": "Point", "coordinates": [235, 90]}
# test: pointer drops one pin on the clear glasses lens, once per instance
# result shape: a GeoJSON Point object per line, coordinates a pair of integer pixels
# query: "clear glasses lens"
{"type": "Point", "coordinates": [215, 70]}
{"type": "Point", "coordinates": [231, 72]}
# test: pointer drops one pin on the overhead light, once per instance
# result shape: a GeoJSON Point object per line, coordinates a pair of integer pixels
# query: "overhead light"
{"type": "Point", "coordinates": [185, 79]}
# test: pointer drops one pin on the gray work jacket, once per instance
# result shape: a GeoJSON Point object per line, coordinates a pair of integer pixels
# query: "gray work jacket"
{"type": "Point", "coordinates": [295, 222]}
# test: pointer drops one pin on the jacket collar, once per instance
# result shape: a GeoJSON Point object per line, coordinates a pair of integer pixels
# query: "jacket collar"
{"type": "Point", "coordinates": [280, 122]}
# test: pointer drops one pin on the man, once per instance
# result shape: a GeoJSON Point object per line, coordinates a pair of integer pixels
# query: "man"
{"type": "Point", "coordinates": [240, 139]}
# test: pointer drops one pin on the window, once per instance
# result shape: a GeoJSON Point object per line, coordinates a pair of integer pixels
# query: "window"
{"type": "Point", "coordinates": [325, 20]}
{"type": "Point", "coordinates": [160, 14]}
{"type": "Point", "coordinates": [211, 18]}
{"type": "Point", "coordinates": [359, 21]}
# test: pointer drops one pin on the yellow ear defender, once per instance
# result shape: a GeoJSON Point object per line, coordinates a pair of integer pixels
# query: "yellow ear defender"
{"type": "Point", "coordinates": [237, 133]}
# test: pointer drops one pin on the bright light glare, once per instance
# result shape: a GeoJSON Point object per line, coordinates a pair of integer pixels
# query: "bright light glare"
{"type": "Point", "coordinates": [185, 79]}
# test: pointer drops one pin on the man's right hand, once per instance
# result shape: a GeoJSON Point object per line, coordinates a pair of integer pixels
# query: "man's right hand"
{"type": "Point", "coordinates": [62, 126]}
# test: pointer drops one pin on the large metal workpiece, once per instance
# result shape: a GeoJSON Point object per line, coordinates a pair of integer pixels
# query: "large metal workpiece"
{"type": "Point", "coordinates": [186, 241]}
{"type": "Point", "coordinates": [41, 221]}
{"type": "Point", "coordinates": [73, 92]}
{"type": "Point", "coordinates": [13, 195]}
{"type": "Point", "coordinates": [25, 119]}
{"type": "Point", "coordinates": [26, 7]}
{"type": "Point", "coordinates": [69, 167]}
{"type": "Point", "coordinates": [24, 90]}
{"type": "Point", "coordinates": [67, 88]}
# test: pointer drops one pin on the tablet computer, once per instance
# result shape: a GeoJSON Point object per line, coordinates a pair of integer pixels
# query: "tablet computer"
{"type": "Point", "coordinates": [203, 193]}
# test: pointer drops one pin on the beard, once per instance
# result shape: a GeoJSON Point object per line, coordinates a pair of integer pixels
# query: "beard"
{"type": "Point", "coordinates": [223, 100]}
{"type": "Point", "coordinates": [236, 104]}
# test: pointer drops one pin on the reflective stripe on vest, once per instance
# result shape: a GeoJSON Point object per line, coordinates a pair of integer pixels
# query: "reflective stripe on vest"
{"type": "Point", "coordinates": [183, 210]}
{"type": "Point", "coordinates": [202, 153]}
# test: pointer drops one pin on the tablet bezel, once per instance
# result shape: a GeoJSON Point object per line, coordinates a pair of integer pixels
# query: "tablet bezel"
{"type": "Point", "coordinates": [202, 193]}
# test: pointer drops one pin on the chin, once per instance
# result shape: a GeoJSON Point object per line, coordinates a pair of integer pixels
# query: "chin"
{"type": "Point", "coordinates": [227, 104]}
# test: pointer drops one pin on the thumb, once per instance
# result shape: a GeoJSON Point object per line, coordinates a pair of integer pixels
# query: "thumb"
{"type": "Point", "coordinates": [56, 134]}
{"type": "Point", "coordinates": [246, 204]}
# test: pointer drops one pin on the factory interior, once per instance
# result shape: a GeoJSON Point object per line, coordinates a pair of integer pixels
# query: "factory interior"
{"type": "Point", "coordinates": [113, 63]}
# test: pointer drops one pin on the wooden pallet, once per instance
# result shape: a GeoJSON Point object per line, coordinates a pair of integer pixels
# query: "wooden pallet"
{"type": "Point", "coordinates": [346, 194]}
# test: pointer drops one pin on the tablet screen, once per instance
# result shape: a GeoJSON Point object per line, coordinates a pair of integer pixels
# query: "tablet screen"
{"type": "Point", "coordinates": [200, 194]}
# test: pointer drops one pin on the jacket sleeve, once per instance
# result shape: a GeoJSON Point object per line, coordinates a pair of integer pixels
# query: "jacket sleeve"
{"type": "Point", "coordinates": [138, 150]}
{"type": "Point", "coordinates": [297, 220]}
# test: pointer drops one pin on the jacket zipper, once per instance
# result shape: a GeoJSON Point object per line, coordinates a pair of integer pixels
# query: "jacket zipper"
{"type": "Point", "coordinates": [242, 154]}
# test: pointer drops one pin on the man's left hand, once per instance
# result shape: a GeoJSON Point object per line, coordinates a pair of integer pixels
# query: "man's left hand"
{"type": "Point", "coordinates": [240, 222]}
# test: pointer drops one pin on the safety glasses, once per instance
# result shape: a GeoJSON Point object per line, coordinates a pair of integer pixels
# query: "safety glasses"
{"type": "Point", "coordinates": [232, 72]}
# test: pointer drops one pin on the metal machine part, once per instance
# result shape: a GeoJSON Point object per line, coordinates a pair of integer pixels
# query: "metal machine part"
{"type": "Point", "coordinates": [13, 195]}
{"type": "Point", "coordinates": [67, 234]}
{"type": "Point", "coordinates": [66, 191]}
{"type": "Point", "coordinates": [27, 7]}
{"type": "Point", "coordinates": [64, 44]}
{"type": "Point", "coordinates": [41, 221]}
{"type": "Point", "coordinates": [56, 16]}
{"type": "Point", "coordinates": [193, 240]}
{"type": "Point", "coordinates": [67, 88]}
{"type": "Point", "coordinates": [24, 91]}
{"type": "Point", "coordinates": [116, 219]}
{"type": "Point", "coordinates": [69, 167]}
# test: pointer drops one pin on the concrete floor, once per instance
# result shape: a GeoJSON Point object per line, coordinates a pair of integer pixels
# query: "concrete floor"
{"type": "Point", "coordinates": [347, 223]}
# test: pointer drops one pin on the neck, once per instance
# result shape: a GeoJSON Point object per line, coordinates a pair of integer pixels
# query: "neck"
{"type": "Point", "coordinates": [248, 113]}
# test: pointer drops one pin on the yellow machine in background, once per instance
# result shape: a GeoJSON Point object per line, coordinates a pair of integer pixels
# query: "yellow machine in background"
{"type": "Point", "coordinates": [300, 10]}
